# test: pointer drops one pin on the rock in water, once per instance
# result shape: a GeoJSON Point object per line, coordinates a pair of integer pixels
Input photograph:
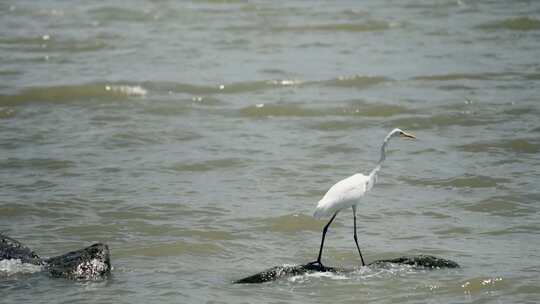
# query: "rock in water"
{"type": "Point", "coordinates": [278, 272]}
{"type": "Point", "coordinates": [89, 263]}
{"type": "Point", "coordinates": [425, 261]}
{"type": "Point", "coordinates": [13, 249]}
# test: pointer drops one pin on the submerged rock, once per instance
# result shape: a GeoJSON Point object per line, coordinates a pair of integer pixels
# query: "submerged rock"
{"type": "Point", "coordinates": [85, 264]}
{"type": "Point", "coordinates": [425, 261]}
{"type": "Point", "coordinates": [279, 272]}
{"type": "Point", "coordinates": [13, 249]}
{"type": "Point", "coordinates": [89, 263]}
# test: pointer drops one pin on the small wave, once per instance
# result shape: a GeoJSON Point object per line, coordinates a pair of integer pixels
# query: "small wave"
{"type": "Point", "coordinates": [168, 109]}
{"type": "Point", "coordinates": [518, 145]}
{"type": "Point", "coordinates": [6, 113]}
{"type": "Point", "coordinates": [224, 88]}
{"type": "Point", "coordinates": [48, 43]}
{"type": "Point", "coordinates": [464, 181]}
{"type": "Point", "coordinates": [72, 93]}
{"type": "Point", "coordinates": [487, 76]}
{"type": "Point", "coordinates": [121, 14]}
{"type": "Point", "coordinates": [532, 76]}
{"type": "Point", "coordinates": [209, 165]}
{"type": "Point", "coordinates": [10, 72]}
{"type": "Point", "coordinates": [368, 26]}
{"type": "Point", "coordinates": [338, 125]}
{"type": "Point", "coordinates": [314, 45]}
{"type": "Point", "coordinates": [501, 205]}
{"type": "Point", "coordinates": [130, 138]}
{"type": "Point", "coordinates": [36, 163]}
{"type": "Point", "coordinates": [439, 120]}
{"type": "Point", "coordinates": [519, 229]}
{"type": "Point", "coordinates": [513, 24]}
{"type": "Point", "coordinates": [355, 81]}
{"type": "Point", "coordinates": [453, 231]}
{"type": "Point", "coordinates": [459, 76]}
{"type": "Point", "coordinates": [520, 111]}
{"type": "Point", "coordinates": [15, 266]}
{"type": "Point", "coordinates": [374, 109]}
{"type": "Point", "coordinates": [278, 110]}
{"type": "Point", "coordinates": [293, 110]}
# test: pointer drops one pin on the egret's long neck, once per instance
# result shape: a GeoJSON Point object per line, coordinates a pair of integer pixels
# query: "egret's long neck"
{"type": "Point", "coordinates": [373, 174]}
{"type": "Point", "coordinates": [383, 150]}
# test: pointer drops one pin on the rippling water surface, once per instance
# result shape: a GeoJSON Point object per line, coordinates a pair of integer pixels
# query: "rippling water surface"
{"type": "Point", "coordinates": [195, 138]}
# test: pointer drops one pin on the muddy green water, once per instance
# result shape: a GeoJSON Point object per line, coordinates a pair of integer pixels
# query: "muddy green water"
{"type": "Point", "coordinates": [196, 137]}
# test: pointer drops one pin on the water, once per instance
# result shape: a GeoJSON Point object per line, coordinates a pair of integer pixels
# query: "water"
{"type": "Point", "coordinates": [195, 138]}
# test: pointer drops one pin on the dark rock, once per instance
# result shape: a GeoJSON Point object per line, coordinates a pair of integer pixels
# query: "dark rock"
{"type": "Point", "coordinates": [89, 263]}
{"type": "Point", "coordinates": [13, 249]}
{"type": "Point", "coordinates": [425, 261]}
{"type": "Point", "coordinates": [279, 272]}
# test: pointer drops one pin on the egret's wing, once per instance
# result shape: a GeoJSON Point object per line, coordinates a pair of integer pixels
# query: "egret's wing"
{"type": "Point", "coordinates": [343, 194]}
{"type": "Point", "coordinates": [351, 188]}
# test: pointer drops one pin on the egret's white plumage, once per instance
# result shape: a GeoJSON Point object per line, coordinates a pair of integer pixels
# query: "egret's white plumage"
{"type": "Point", "coordinates": [347, 192]}
{"type": "Point", "coordinates": [343, 194]}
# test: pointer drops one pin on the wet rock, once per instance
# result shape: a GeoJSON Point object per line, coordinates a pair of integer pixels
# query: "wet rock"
{"type": "Point", "coordinates": [13, 249]}
{"type": "Point", "coordinates": [279, 272]}
{"type": "Point", "coordinates": [424, 261]}
{"type": "Point", "coordinates": [89, 263]}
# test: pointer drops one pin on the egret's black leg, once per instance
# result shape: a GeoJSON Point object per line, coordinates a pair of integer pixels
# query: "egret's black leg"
{"type": "Point", "coordinates": [356, 237]}
{"type": "Point", "coordinates": [325, 229]}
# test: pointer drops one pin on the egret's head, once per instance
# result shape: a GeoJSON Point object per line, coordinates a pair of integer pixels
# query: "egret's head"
{"type": "Point", "coordinates": [401, 133]}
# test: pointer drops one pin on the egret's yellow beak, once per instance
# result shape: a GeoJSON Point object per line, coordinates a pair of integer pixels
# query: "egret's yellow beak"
{"type": "Point", "coordinates": [407, 135]}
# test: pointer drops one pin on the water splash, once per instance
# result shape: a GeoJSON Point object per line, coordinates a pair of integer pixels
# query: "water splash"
{"type": "Point", "coordinates": [73, 93]}
{"type": "Point", "coordinates": [15, 266]}
{"type": "Point", "coordinates": [317, 275]}
{"type": "Point", "coordinates": [127, 90]}
{"type": "Point", "coordinates": [361, 273]}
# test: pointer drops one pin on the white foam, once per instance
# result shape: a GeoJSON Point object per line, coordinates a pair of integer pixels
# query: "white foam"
{"type": "Point", "coordinates": [285, 82]}
{"type": "Point", "coordinates": [360, 273]}
{"type": "Point", "coordinates": [326, 275]}
{"type": "Point", "coordinates": [14, 266]}
{"type": "Point", "coordinates": [388, 270]}
{"type": "Point", "coordinates": [127, 90]}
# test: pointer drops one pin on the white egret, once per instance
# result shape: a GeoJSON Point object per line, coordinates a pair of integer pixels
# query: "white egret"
{"type": "Point", "coordinates": [347, 193]}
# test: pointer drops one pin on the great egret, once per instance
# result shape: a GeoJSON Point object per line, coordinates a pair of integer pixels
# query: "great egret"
{"type": "Point", "coordinates": [346, 193]}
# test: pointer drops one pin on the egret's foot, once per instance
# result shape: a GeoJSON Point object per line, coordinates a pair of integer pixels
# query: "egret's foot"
{"type": "Point", "coordinates": [316, 265]}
